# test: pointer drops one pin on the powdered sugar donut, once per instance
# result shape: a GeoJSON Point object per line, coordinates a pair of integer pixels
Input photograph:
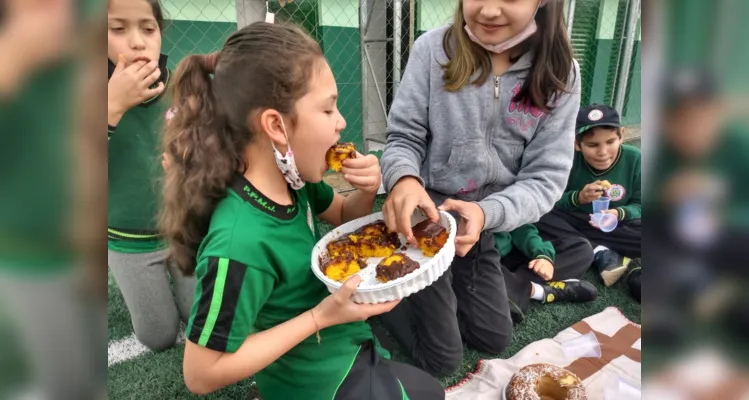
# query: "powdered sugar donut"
{"type": "Point", "coordinates": [545, 382]}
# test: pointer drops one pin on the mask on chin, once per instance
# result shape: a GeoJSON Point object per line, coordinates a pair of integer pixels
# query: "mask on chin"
{"type": "Point", "coordinates": [287, 164]}
{"type": "Point", "coordinates": [529, 30]}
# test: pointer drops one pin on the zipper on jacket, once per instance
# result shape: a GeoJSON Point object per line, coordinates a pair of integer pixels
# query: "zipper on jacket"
{"type": "Point", "coordinates": [493, 156]}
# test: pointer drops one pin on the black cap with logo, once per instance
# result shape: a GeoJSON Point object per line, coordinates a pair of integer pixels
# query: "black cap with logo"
{"type": "Point", "coordinates": [596, 115]}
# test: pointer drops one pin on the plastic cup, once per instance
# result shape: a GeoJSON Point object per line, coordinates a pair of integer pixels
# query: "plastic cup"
{"type": "Point", "coordinates": [600, 205]}
{"type": "Point", "coordinates": [622, 390]}
{"type": "Point", "coordinates": [605, 222]}
{"type": "Point", "coordinates": [583, 346]}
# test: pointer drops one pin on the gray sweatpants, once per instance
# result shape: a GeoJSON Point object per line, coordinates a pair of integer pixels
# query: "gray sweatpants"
{"type": "Point", "coordinates": [155, 310]}
{"type": "Point", "coordinates": [58, 330]}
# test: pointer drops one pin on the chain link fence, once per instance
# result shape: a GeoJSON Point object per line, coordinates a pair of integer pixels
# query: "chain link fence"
{"type": "Point", "coordinates": [367, 44]}
{"type": "Point", "coordinates": [195, 26]}
{"type": "Point", "coordinates": [605, 36]}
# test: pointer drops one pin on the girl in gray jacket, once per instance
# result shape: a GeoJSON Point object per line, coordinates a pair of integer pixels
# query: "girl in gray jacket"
{"type": "Point", "coordinates": [483, 126]}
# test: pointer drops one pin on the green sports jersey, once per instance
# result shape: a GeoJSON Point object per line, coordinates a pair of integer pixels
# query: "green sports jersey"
{"type": "Point", "coordinates": [135, 176]}
{"type": "Point", "coordinates": [624, 176]}
{"type": "Point", "coordinates": [253, 271]}
{"type": "Point", "coordinates": [527, 240]}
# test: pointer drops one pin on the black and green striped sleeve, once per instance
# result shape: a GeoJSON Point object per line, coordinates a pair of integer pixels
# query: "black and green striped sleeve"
{"type": "Point", "coordinates": [228, 296]}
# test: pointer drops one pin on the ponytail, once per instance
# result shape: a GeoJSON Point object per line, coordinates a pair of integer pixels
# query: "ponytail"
{"type": "Point", "coordinates": [201, 159]}
{"type": "Point", "coordinates": [214, 96]}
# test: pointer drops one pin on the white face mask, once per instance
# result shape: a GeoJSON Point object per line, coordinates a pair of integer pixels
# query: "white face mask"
{"type": "Point", "coordinates": [513, 41]}
{"type": "Point", "coordinates": [286, 163]}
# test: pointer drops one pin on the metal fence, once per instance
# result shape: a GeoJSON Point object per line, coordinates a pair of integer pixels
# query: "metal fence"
{"type": "Point", "coordinates": [196, 26]}
{"type": "Point", "coordinates": [605, 35]}
{"type": "Point", "coordinates": [367, 44]}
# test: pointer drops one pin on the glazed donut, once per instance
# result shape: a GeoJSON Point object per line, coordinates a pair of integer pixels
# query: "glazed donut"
{"type": "Point", "coordinates": [545, 382]}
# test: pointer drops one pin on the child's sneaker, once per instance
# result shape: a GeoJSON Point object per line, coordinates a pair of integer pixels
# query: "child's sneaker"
{"type": "Point", "coordinates": [570, 290]}
{"type": "Point", "coordinates": [611, 265]}
{"type": "Point", "coordinates": [634, 281]}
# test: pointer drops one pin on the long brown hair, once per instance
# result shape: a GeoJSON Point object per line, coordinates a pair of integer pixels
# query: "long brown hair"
{"type": "Point", "coordinates": [261, 66]}
{"type": "Point", "coordinates": [552, 64]}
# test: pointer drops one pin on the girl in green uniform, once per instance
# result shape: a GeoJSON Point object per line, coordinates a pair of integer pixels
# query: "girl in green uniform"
{"type": "Point", "coordinates": [245, 158]}
{"type": "Point", "coordinates": [135, 111]}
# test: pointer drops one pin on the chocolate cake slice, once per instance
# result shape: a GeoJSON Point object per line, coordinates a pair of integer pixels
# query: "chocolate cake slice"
{"type": "Point", "coordinates": [431, 237]}
{"type": "Point", "coordinates": [341, 246]}
{"type": "Point", "coordinates": [340, 267]}
{"type": "Point", "coordinates": [338, 153]}
{"type": "Point", "coordinates": [395, 266]}
{"type": "Point", "coordinates": [375, 240]}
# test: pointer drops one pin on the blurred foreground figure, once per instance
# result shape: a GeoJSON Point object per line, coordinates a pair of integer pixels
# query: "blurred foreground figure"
{"type": "Point", "coordinates": [698, 224]}
{"type": "Point", "coordinates": [703, 373]}
{"type": "Point", "coordinates": [45, 333]}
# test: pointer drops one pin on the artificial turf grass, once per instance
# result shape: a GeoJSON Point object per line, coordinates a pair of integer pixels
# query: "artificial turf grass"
{"type": "Point", "coordinates": [159, 375]}
{"type": "Point", "coordinates": [118, 317]}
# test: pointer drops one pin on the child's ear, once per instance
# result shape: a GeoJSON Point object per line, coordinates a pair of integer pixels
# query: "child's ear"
{"type": "Point", "coordinates": [577, 146]}
{"type": "Point", "coordinates": [623, 131]}
{"type": "Point", "coordinates": [271, 124]}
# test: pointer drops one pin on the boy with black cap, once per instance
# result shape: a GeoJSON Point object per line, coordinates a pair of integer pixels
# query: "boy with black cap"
{"type": "Point", "coordinates": [603, 166]}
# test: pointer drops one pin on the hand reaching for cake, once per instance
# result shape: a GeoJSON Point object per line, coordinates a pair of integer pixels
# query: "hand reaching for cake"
{"type": "Point", "coordinates": [363, 172]}
{"type": "Point", "coordinates": [338, 308]}
{"type": "Point", "coordinates": [470, 226]}
{"type": "Point", "coordinates": [406, 196]}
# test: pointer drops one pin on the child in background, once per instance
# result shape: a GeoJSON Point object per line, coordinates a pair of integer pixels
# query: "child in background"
{"type": "Point", "coordinates": [136, 110]}
{"type": "Point", "coordinates": [698, 203]}
{"type": "Point", "coordinates": [545, 271]}
{"type": "Point", "coordinates": [50, 339]}
{"type": "Point", "coordinates": [482, 125]}
{"type": "Point", "coordinates": [603, 166]}
{"type": "Point", "coordinates": [240, 210]}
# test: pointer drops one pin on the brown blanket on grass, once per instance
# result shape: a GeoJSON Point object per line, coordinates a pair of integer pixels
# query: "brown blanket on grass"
{"type": "Point", "coordinates": [620, 358]}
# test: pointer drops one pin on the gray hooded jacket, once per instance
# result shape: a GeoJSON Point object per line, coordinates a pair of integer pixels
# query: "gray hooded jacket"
{"type": "Point", "coordinates": [477, 144]}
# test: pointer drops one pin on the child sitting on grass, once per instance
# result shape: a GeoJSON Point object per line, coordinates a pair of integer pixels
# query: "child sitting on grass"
{"type": "Point", "coordinates": [546, 271]}
{"type": "Point", "coordinates": [603, 166]}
